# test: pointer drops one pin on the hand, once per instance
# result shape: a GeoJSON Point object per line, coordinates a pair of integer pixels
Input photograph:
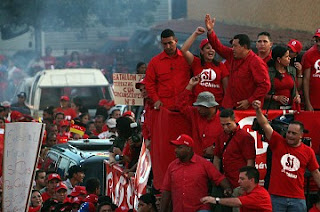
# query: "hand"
{"type": "Point", "coordinates": [200, 30]}
{"type": "Point", "coordinates": [282, 99]}
{"type": "Point", "coordinates": [309, 107]}
{"type": "Point", "coordinates": [157, 105]}
{"type": "Point", "coordinates": [208, 199]}
{"type": "Point", "coordinates": [112, 161]}
{"type": "Point", "coordinates": [117, 151]}
{"type": "Point", "coordinates": [209, 23]}
{"type": "Point", "coordinates": [208, 152]}
{"type": "Point", "coordinates": [298, 66]}
{"type": "Point", "coordinates": [297, 99]}
{"type": "Point", "coordinates": [194, 81]}
{"type": "Point", "coordinates": [227, 192]}
{"type": "Point", "coordinates": [148, 143]}
{"type": "Point", "coordinates": [256, 104]}
{"type": "Point", "coordinates": [243, 105]}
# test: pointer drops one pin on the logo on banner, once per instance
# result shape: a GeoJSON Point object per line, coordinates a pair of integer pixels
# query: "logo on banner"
{"type": "Point", "coordinates": [207, 77]}
{"type": "Point", "coordinates": [290, 163]}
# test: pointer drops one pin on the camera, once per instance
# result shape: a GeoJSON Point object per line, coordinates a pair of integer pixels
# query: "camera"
{"type": "Point", "coordinates": [135, 137]}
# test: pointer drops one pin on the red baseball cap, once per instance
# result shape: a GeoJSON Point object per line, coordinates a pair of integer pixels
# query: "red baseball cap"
{"type": "Point", "coordinates": [65, 98]}
{"type": "Point", "coordinates": [183, 139]}
{"type": "Point", "coordinates": [317, 33]}
{"type": "Point", "coordinates": [61, 186]}
{"type": "Point", "coordinates": [128, 113]}
{"type": "Point", "coordinates": [138, 84]}
{"type": "Point", "coordinates": [203, 43]}
{"type": "Point", "coordinates": [295, 45]}
{"type": "Point", "coordinates": [77, 190]}
{"type": "Point", "coordinates": [54, 176]}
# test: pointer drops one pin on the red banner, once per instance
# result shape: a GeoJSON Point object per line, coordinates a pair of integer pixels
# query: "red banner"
{"type": "Point", "coordinates": [123, 190]}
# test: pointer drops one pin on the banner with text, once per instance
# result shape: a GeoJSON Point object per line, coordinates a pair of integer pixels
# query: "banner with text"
{"type": "Point", "coordinates": [21, 150]}
{"type": "Point", "coordinates": [124, 86]}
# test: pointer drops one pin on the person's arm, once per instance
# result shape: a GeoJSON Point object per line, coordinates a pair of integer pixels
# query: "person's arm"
{"type": "Point", "coordinates": [225, 84]}
{"type": "Point", "coordinates": [186, 46]}
{"type": "Point", "coordinates": [306, 89]}
{"type": "Point", "coordinates": [227, 190]}
{"type": "Point", "coordinates": [250, 162]}
{"type": "Point", "coordinates": [232, 202]}
{"type": "Point", "coordinates": [222, 50]}
{"type": "Point", "coordinates": [186, 96]}
{"type": "Point", "coordinates": [298, 67]}
{"type": "Point", "coordinates": [316, 177]}
{"type": "Point", "coordinates": [165, 201]}
{"type": "Point", "coordinates": [262, 120]}
{"type": "Point", "coordinates": [216, 162]}
{"type": "Point", "coordinates": [150, 80]}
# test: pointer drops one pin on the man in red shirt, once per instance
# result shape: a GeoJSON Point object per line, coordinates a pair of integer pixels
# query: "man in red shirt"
{"type": "Point", "coordinates": [234, 146]}
{"type": "Point", "coordinates": [249, 77]}
{"type": "Point", "coordinates": [255, 197]}
{"type": "Point", "coordinates": [311, 78]}
{"type": "Point", "coordinates": [264, 46]}
{"type": "Point", "coordinates": [203, 118]}
{"type": "Point", "coordinates": [290, 159]}
{"type": "Point", "coordinates": [168, 73]}
{"type": "Point", "coordinates": [186, 179]}
{"type": "Point", "coordinates": [52, 182]}
{"type": "Point", "coordinates": [65, 108]}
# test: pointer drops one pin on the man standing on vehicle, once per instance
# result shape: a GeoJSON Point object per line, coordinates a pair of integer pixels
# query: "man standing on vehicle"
{"type": "Point", "coordinates": [65, 108]}
{"type": "Point", "coordinates": [21, 105]}
{"type": "Point", "coordinates": [75, 177]}
{"type": "Point", "coordinates": [290, 159]}
{"type": "Point", "coordinates": [264, 46]}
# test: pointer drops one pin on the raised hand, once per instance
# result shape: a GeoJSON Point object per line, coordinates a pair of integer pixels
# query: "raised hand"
{"type": "Point", "coordinates": [200, 30]}
{"type": "Point", "coordinates": [209, 23]}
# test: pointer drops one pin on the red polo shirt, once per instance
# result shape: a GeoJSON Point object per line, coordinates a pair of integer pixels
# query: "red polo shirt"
{"type": "Point", "coordinates": [204, 132]}
{"type": "Point", "coordinates": [188, 183]}
{"type": "Point", "coordinates": [166, 77]}
{"type": "Point", "coordinates": [267, 58]}
{"type": "Point", "coordinates": [240, 149]}
{"type": "Point", "coordinates": [249, 76]}
{"type": "Point", "coordinates": [69, 113]}
{"type": "Point", "coordinates": [257, 200]}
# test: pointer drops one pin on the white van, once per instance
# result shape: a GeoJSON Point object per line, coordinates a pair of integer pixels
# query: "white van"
{"type": "Point", "coordinates": [49, 85]}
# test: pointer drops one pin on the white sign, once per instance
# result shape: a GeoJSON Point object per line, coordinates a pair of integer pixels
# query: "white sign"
{"type": "Point", "coordinates": [21, 150]}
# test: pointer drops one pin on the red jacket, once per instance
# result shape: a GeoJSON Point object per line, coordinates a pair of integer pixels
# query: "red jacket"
{"type": "Point", "coordinates": [248, 79]}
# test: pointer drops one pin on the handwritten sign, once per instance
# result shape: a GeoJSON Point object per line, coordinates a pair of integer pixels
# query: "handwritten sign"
{"type": "Point", "coordinates": [125, 92]}
{"type": "Point", "coordinates": [21, 149]}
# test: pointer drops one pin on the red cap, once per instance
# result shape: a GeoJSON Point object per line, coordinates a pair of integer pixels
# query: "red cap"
{"type": "Point", "coordinates": [61, 186]}
{"type": "Point", "coordinates": [64, 123]}
{"type": "Point", "coordinates": [54, 176]}
{"type": "Point", "coordinates": [183, 139]}
{"type": "Point", "coordinates": [203, 43]}
{"type": "Point", "coordinates": [104, 102]}
{"type": "Point", "coordinates": [317, 33]}
{"type": "Point", "coordinates": [295, 45]}
{"type": "Point", "coordinates": [91, 198]}
{"type": "Point", "coordinates": [138, 84]}
{"type": "Point", "coordinates": [77, 200]}
{"type": "Point", "coordinates": [65, 98]}
{"type": "Point", "coordinates": [128, 113]}
{"type": "Point", "coordinates": [77, 190]}
{"type": "Point", "coordinates": [16, 115]}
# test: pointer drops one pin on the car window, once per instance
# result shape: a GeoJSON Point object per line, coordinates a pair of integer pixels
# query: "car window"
{"type": "Point", "coordinates": [50, 163]}
{"type": "Point", "coordinates": [62, 167]}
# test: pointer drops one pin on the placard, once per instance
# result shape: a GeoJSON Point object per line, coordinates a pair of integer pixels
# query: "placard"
{"type": "Point", "coordinates": [125, 92]}
{"type": "Point", "coordinates": [21, 150]}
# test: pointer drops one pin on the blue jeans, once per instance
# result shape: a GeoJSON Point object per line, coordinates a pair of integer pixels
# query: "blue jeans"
{"type": "Point", "coordinates": [285, 204]}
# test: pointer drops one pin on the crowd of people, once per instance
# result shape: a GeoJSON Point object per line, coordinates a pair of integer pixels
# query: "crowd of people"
{"type": "Point", "coordinates": [214, 169]}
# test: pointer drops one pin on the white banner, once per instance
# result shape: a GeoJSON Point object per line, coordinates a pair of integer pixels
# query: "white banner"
{"type": "Point", "coordinates": [21, 150]}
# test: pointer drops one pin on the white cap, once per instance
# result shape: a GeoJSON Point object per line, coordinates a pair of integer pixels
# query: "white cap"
{"type": "Point", "coordinates": [112, 123]}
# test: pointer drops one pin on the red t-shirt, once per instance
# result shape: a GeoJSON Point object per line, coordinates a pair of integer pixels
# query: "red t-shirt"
{"type": "Point", "coordinates": [258, 200]}
{"type": "Point", "coordinates": [311, 59]}
{"type": "Point", "coordinates": [284, 86]}
{"type": "Point", "coordinates": [249, 76]}
{"type": "Point", "coordinates": [239, 149]}
{"type": "Point", "coordinates": [288, 167]}
{"type": "Point", "coordinates": [69, 113]}
{"type": "Point", "coordinates": [45, 196]}
{"type": "Point", "coordinates": [314, 209]}
{"type": "Point", "coordinates": [204, 132]}
{"type": "Point", "coordinates": [188, 183]}
{"type": "Point", "coordinates": [166, 77]}
{"type": "Point", "coordinates": [211, 78]}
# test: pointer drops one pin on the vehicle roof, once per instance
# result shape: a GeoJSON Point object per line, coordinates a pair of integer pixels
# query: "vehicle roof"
{"type": "Point", "coordinates": [72, 78]}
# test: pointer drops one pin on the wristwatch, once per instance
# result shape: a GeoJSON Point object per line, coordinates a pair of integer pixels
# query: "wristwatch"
{"type": "Point", "coordinates": [217, 200]}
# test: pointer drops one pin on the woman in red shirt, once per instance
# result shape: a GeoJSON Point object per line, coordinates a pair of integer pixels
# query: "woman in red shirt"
{"type": "Point", "coordinates": [283, 92]}
{"type": "Point", "coordinates": [213, 74]}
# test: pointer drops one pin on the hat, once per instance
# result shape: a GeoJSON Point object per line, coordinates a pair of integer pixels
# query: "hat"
{"type": "Point", "coordinates": [112, 123]}
{"type": "Point", "coordinates": [129, 113]}
{"type": "Point", "coordinates": [104, 102]}
{"type": "Point", "coordinates": [183, 139]}
{"type": "Point", "coordinates": [203, 43]}
{"type": "Point", "coordinates": [65, 98]}
{"type": "Point", "coordinates": [74, 169]}
{"type": "Point", "coordinates": [64, 123]}
{"type": "Point", "coordinates": [54, 176]}
{"type": "Point", "coordinates": [138, 84]}
{"type": "Point", "coordinates": [206, 99]}
{"type": "Point", "coordinates": [61, 186]}
{"type": "Point", "coordinates": [317, 33]}
{"type": "Point", "coordinates": [22, 94]}
{"type": "Point", "coordinates": [295, 45]}
{"type": "Point", "coordinates": [77, 200]}
{"type": "Point", "coordinates": [77, 190]}
{"type": "Point", "coordinates": [6, 104]}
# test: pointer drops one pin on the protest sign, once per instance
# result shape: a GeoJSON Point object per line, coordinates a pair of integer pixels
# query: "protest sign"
{"type": "Point", "coordinates": [21, 150]}
{"type": "Point", "coordinates": [125, 92]}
